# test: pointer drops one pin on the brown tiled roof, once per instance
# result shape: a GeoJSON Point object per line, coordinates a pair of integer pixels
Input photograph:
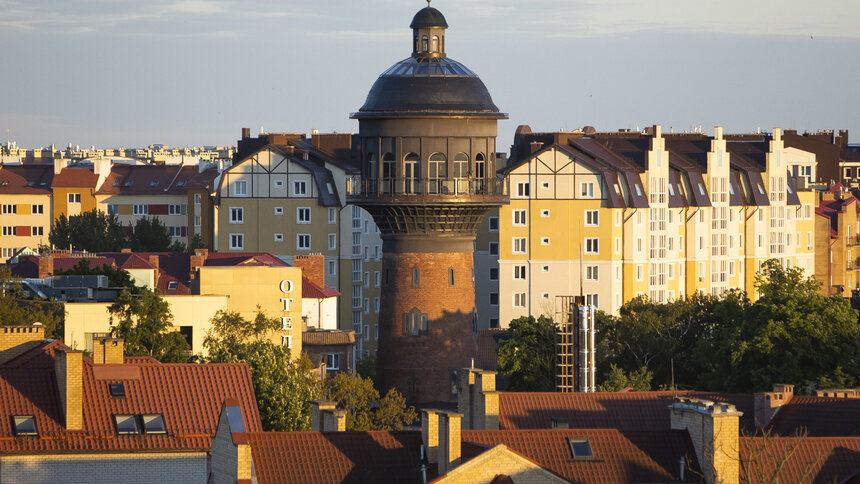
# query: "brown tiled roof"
{"type": "Point", "coordinates": [189, 396]}
{"type": "Point", "coordinates": [619, 457]}
{"type": "Point", "coordinates": [26, 179]}
{"type": "Point", "coordinates": [820, 416]}
{"type": "Point", "coordinates": [155, 179]}
{"type": "Point", "coordinates": [75, 178]}
{"type": "Point", "coordinates": [336, 457]}
{"type": "Point", "coordinates": [816, 460]}
{"type": "Point", "coordinates": [327, 338]}
{"type": "Point", "coordinates": [312, 291]}
{"type": "Point", "coordinates": [626, 411]}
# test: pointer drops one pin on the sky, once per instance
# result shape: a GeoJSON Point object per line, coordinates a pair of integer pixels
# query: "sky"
{"type": "Point", "coordinates": [121, 73]}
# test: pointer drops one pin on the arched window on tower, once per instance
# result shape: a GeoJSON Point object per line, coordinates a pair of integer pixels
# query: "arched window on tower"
{"type": "Point", "coordinates": [438, 168]}
{"type": "Point", "coordinates": [414, 323]}
{"type": "Point", "coordinates": [416, 43]}
{"type": "Point", "coordinates": [424, 44]}
{"type": "Point", "coordinates": [371, 173]}
{"type": "Point", "coordinates": [461, 172]}
{"type": "Point", "coordinates": [411, 172]}
{"type": "Point", "coordinates": [435, 44]}
{"type": "Point", "coordinates": [415, 275]}
{"type": "Point", "coordinates": [480, 172]}
{"type": "Point", "coordinates": [388, 173]}
{"type": "Point", "coordinates": [451, 276]}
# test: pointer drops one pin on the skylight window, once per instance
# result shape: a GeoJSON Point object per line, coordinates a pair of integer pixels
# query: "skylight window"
{"type": "Point", "coordinates": [154, 424]}
{"type": "Point", "coordinates": [117, 389]}
{"type": "Point", "coordinates": [24, 425]}
{"type": "Point", "coordinates": [153, 183]}
{"type": "Point", "coordinates": [127, 184]}
{"type": "Point", "coordinates": [126, 424]}
{"type": "Point", "coordinates": [580, 447]}
{"type": "Point", "coordinates": [180, 183]}
{"type": "Point", "coordinates": [171, 285]}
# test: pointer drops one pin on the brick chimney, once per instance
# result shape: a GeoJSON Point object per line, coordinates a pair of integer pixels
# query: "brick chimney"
{"type": "Point", "coordinates": [197, 260]}
{"type": "Point", "coordinates": [46, 266]}
{"type": "Point", "coordinates": [334, 420]}
{"type": "Point", "coordinates": [430, 434]}
{"type": "Point", "coordinates": [318, 410]}
{"type": "Point", "coordinates": [478, 399]}
{"type": "Point", "coordinates": [108, 351]}
{"type": "Point", "coordinates": [15, 340]}
{"type": "Point", "coordinates": [713, 429]}
{"type": "Point", "coordinates": [153, 259]}
{"type": "Point", "coordinates": [449, 441]}
{"type": "Point", "coordinates": [535, 146]}
{"type": "Point", "coordinates": [125, 251]}
{"type": "Point", "coordinates": [766, 404]}
{"type": "Point", "coordinates": [68, 367]}
{"type": "Point", "coordinates": [313, 267]}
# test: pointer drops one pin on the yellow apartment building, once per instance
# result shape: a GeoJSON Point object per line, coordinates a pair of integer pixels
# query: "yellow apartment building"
{"type": "Point", "coordinates": [837, 243]}
{"type": "Point", "coordinates": [25, 207]}
{"type": "Point", "coordinates": [74, 188]}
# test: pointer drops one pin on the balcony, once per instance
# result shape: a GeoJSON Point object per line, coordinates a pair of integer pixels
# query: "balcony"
{"type": "Point", "coordinates": [450, 187]}
{"type": "Point", "coordinates": [852, 240]}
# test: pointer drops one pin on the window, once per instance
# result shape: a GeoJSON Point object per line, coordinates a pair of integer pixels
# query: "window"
{"type": "Point", "coordinates": [25, 425]}
{"type": "Point", "coordinates": [451, 276]}
{"type": "Point", "coordinates": [303, 215]}
{"type": "Point", "coordinates": [494, 273]}
{"type": "Point", "coordinates": [303, 241]}
{"type": "Point", "coordinates": [332, 268]}
{"type": "Point", "coordinates": [519, 218]}
{"type": "Point", "coordinates": [591, 300]}
{"type": "Point", "coordinates": [279, 237]}
{"type": "Point", "coordinates": [519, 299]}
{"type": "Point", "coordinates": [591, 218]}
{"type": "Point", "coordinates": [415, 277]}
{"type": "Point", "coordinates": [617, 245]}
{"type": "Point", "coordinates": [240, 188]}
{"type": "Point", "coordinates": [332, 215]}
{"type": "Point", "coordinates": [545, 296]}
{"type": "Point", "coordinates": [494, 299]}
{"type": "Point", "coordinates": [618, 218]}
{"type": "Point", "coordinates": [279, 183]}
{"type": "Point", "coordinates": [153, 423]}
{"type": "Point", "coordinates": [544, 241]}
{"type": "Point", "coordinates": [586, 189]}
{"type": "Point", "coordinates": [591, 245]}
{"type": "Point", "coordinates": [140, 209]}
{"type": "Point", "coordinates": [414, 323]}
{"type": "Point", "coordinates": [197, 220]}
{"type": "Point", "coordinates": [590, 273]}
{"type": "Point", "coordinates": [197, 199]}
{"type": "Point", "coordinates": [493, 248]}
{"type": "Point", "coordinates": [494, 224]}
{"type": "Point", "coordinates": [117, 389]}
{"type": "Point", "coordinates": [544, 213]}
{"type": "Point", "coordinates": [37, 209]}
{"type": "Point", "coordinates": [332, 361]}
{"type": "Point", "coordinates": [367, 279]}
{"type": "Point", "coordinates": [174, 209]}
{"type": "Point", "coordinates": [237, 241]}
{"type": "Point", "coordinates": [580, 447]}
{"type": "Point", "coordinates": [560, 423]}
{"type": "Point", "coordinates": [237, 215]}
{"type": "Point", "coordinates": [376, 304]}
{"type": "Point", "coordinates": [74, 198]}
{"type": "Point", "coordinates": [520, 272]}
{"type": "Point", "coordinates": [519, 245]}
{"type": "Point", "coordinates": [8, 230]}
{"type": "Point", "coordinates": [376, 279]}
{"type": "Point", "coordinates": [545, 185]}
{"type": "Point", "coordinates": [332, 241]}
{"type": "Point", "coordinates": [366, 305]}
{"type": "Point", "coordinates": [112, 209]}
{"type": "Point", "coordinates": [174, 231]}
{"type": "Point", "coordinates": [544, 268]}
{"type": "Point", "coordinates": [523, 189]}
{"type": "Point", "coordinates": [279, 210]}
{"type": "Point", "coordinates": [172, 285]}
{"type": "Point", "coordinates": [126, 424]}
{"type": "Point", "coordinates": [300, 188]}
{"type": "Point", "coordinates": [639, 274]}
{"type": "Point", "coordinates": [37, 231]}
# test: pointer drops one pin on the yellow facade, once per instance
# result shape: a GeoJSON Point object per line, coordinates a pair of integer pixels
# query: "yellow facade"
{"type": "Point", "coordinates": [62, 205]}
{"type": "Point", "coordinates": [25, 221]}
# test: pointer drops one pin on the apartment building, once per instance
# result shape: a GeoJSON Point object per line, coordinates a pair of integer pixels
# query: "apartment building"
{"type": "Point", "coordinates": [613, 216]}
{"type": "Point", "coordinates": [25, 205]}
{"type": "Point", "coordinates": [837, 242]}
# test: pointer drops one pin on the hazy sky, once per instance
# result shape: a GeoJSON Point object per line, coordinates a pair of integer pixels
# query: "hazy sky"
{"type": "Point", "coordinates": [194, 72]}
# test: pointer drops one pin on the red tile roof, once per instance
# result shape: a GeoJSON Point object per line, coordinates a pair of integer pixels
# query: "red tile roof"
{"type": "Point", "coordinates": [619, 457]}
{"type": "Point", "coordinates": [155, 179]}
{"type": "Point", "coordinates": [798, 459]}
{"type": "Point", "coordinates": [327, 338]}
{"type": "Point", "coordinates": [312, 291]}
{"type": "Point", "coordinates": [26, 179]}
{"type": "Point", "coordinates": [626, 411]}
{"type": "Point", "coordinates": [336, 457]}
{"type": "Point", "coordinates": [189, 396]}
{"type": "Point", "coordinates": [75, 178]}
{"type": "Point", "coordinates": [830, 209]}
{"type": "Point", "coordinates": [820, 416]}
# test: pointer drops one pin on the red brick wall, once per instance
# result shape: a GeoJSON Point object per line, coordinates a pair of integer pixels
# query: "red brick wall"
{"type": "Point", "coordinates": [419, 366]}
{"type": "Point", "coordinates": [313, 267]}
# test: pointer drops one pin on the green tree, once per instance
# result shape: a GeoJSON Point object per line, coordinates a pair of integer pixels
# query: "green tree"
{"type": "Point", "coordinates": [364, 409]}
{"type": "Point", "coordinates": [144, 321]}
{"type": "Point", "coordinates": [151, 235]}
{"type": "Point", "coordinates": [618, 379]}
{"type": "Point", "coordinates": [16, 309]}
{"type": "Point", "coordinates": [196, 242]}
{"type": "Point", "coordinates": [284, 387]}
{"type": "Point", "coordinates": [93, 231]}
{"type": "Point", "coordinates": [528, 358]}
{"type": "Point", "coordinates": [116, 277]}
{"type": "Point", "coordinates": [366, 367]}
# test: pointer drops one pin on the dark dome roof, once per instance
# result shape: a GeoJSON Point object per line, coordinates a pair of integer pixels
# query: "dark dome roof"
{"type": "Point", "coordinates": [428, 17]}
{"type": "Point", "coordinates": [428, 86]}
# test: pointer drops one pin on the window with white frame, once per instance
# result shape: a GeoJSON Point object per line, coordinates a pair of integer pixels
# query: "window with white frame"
{"type": "Point", "coordinates": [332, 267]}
{"type": "Point", "coordinates": [639, 272]}
{"type": "Point", "coordinates": [237, 215]}
{"type": "Point", "coordinates": [300, 188]}
{"type": "Point", "coordinates": [519, 218]}
{"type": "Point", "coordinates": [197, 199]}
{"type": "Point", "coordinates": [332, 361]}
{"type": "Point", "coordinates": [376, 305]}
{"type": "Point", "coordinates": [520, 272]}
{"type": "Point", "coordinates": [174, 209]}
{"type": "Point", "coordinates": [519, 299]}
{"type": "Point", "coordinates": [279, 183]}
{"type": "Point", "coordinates": [376, 279]}
{"type": "Point", "coordinates": [303, 241]}
{"type": "Point", "coordinates": [591, 218]}
{"type": "Point", "coordinates": [279, 210]}
{"type": "Point", "coordinates": [332, 241]}
{"type": "Point", "coordinates": [112, 209]}
{"type": "Point", "coordinates": [586, 189]}
{"type": "Point", "coordinates": [592, 245]}
{"type": "Point", "coordinates": [37, 231]}
{"type": "Point", "coordinates": [591, 300]}
{"type": "Point", "coordinates": [37, 209]}
{"type": "Point", "coordinates": [140, 209]}
{"type": "Point", "coordinates": [279, 237]}
{"type": "Point", "coordinates": [519, 245]}
{"type": "Point", "coordinates": [544, 213]}
{"type": "Point", "coordinates": [523, 189]}
{"type": "Point", "coordinates": [617, 245]}
{"type": "Point", "coordinates": [175, 231]}
{"type": "Point", "coordinates": [303, 215]}
{"type": "Point", "coordinates": [240, 188]}
{"type": "Point", "coordinates": [591, 273]}
{"type": "Point", "coordinates": [332, 215]}
{"type": "Point", "coordinates": [544, 241]}
{"type": "Point", "coordinates": [75, 198]}
{"type": "Point", "coordinates": [237, 241]}
{"type": "Point", "coordinates": [197, 220]}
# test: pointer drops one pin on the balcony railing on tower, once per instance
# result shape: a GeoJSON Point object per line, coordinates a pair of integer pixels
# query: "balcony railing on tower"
{"type": "Point", "coordinates": [455, 187]}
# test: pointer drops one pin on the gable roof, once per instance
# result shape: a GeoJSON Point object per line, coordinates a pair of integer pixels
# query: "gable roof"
{"type": "Point", "coordinates": [336, 457]}
{"type": "Point", "coordinates": [819, 416]}
{"type": "Point", "coordinates": [26, 179]}
{"type": "Point", "coordinates": [155, 179]}
{"type": "Point", "coordinates": [499, 462]}
{"type": "Point", "coordinates": [816, 460]}
{"type": "Point", "coordinates": [75, 178]}
{"type": "Point", "coordinates": [619, 457]}
{"type": "Point", "coordinates": [189, 397]}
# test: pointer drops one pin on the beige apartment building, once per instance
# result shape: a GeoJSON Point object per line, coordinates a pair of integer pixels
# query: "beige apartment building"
{"type": "Point", "coordinates": [25, 207]}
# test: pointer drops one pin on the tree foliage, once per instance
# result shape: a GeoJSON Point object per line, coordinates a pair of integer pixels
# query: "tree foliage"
{"type": "Point", "coordinates": [284, 387]}
{"type": "Point", "coordinates": [93, 231]}
{"type": "Point", "coordinates": [144, 321]}
{"type": "Point", "coordinates": [116, 277]}
{"type": "Point", "coordinates": [618, 379]}
{"type": "Point", "coordinates": [150, 235]}
{"type": "Point", "coordinates": [528, 358]}
{"type": "Point", "coordinates": [791, 334]}
{"type": "Point", "coordinates": [18, 310]}
{"type": "Point", "coordinates": [364, 409]}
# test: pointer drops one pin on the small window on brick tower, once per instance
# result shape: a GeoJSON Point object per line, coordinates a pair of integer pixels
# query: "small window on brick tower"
{"type": "Point", "coordinates": [451, 276]}
{"type": "Point", "coordinates": [415, 274]}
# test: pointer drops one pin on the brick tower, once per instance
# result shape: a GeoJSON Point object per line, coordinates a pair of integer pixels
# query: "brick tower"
{"type": "Point", "coordinates": [428, 141]}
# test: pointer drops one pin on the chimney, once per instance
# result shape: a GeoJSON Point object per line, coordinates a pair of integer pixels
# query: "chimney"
{"type": "Point", "coordinates": [449, 441]}
{"type": "Point", "coordinates": [465, 396]}
{"type": "Point", "coordinates": [15, 340]}
{"type": "Point", "coordinates": [535, 146]}
{"type": "Point", "coordinates": [713, 429]}
{"type": "Point", "coordinates": [153, 259]}
{"type": "Point", "coordinates": [430, 434]}
{"type": "Point", "coordinates": [766, 404]}
{"type": "Point", "coordinates": [318, 409]}
{"type": "Point", "coordinates": [246, 133]}
{"type": "Point", "coordinates": [313, 267]}
{"type": "Point", "coordinates": [68, 367]}
{"type": "Point", "coordinates": [108, 351]}
{"type": "Point", "coordinates": [197, 260]}
{"type": "Point", "coordinates": [485, 405]}
{"type": "Point", "coordinates": [46, 266]}
{"type": "Point", "coordinates": [333, 420]}
{"type": "Point", "coordinates": [59, 165]}
{"type": "Point", "coordinates": [126, 251]}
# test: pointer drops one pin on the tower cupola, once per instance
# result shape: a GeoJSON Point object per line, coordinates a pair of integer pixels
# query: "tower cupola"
{"type": "Point", "coordinates": [428, 27]}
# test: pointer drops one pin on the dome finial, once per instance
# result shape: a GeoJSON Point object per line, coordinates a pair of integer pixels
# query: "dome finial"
{"type": "Point", "coordinates": [428, 3]}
